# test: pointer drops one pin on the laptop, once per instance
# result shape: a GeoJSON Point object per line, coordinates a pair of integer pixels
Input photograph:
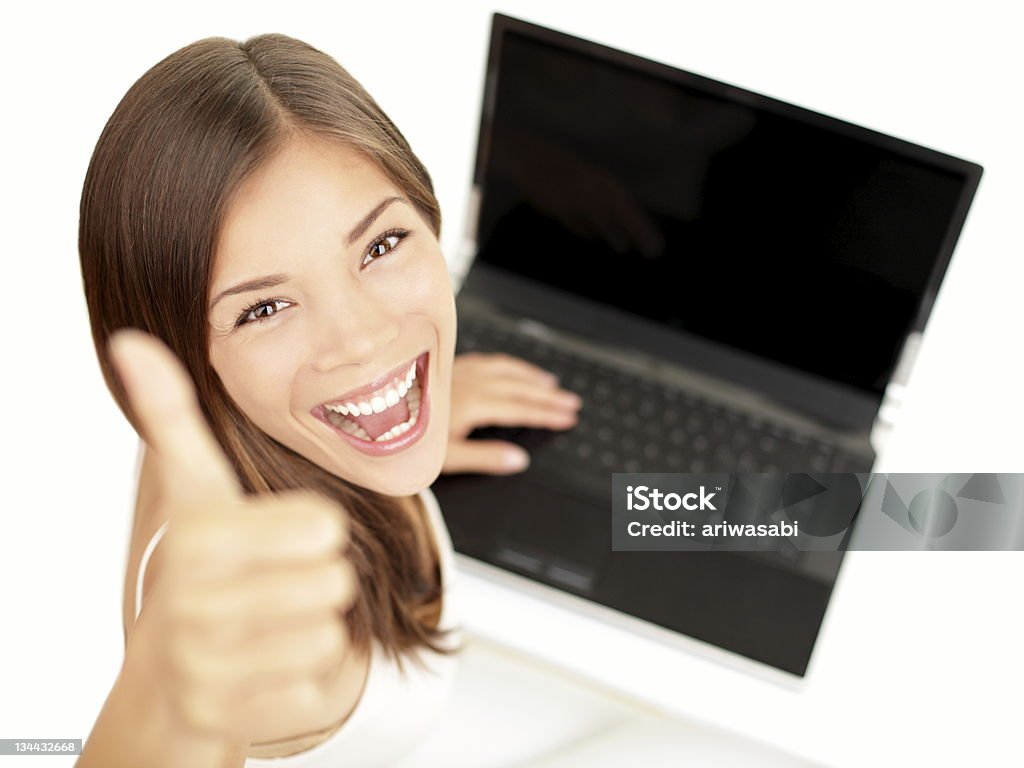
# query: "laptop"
{"type": "Point", "coordinates": [731, 283]}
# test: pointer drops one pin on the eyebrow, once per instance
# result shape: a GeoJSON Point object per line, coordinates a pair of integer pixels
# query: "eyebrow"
{"type": "Point", "coordinates": [270, 281]}
{"type": "Point", "coordinates": [359, 229]}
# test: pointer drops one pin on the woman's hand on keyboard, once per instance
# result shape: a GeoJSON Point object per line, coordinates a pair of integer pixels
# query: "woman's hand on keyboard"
{"type": "Point", "coordinates": [247, 611]}
{"type": "Point", "coordinates": [495, 389]}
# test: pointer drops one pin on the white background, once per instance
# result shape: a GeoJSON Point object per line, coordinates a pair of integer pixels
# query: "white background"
{"type": "Point", "coordinates": [944, 75]}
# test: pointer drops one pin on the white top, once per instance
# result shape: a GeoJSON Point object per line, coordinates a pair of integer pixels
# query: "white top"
{"type": "Point", "coordinates": [396, 710]}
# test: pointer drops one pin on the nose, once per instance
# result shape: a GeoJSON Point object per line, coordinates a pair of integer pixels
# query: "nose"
{"type": "Point", "coordinates": [351, 330]}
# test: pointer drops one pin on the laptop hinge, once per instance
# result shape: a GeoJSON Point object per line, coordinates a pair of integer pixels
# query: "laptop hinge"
{"type": "Point", "coordinates": [892, 401]}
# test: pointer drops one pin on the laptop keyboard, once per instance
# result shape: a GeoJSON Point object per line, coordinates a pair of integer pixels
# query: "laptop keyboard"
{"type": "Point", "coordinates": [629, 424]}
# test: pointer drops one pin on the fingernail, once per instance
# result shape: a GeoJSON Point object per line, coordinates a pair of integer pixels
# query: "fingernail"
{"type": "Point", "coordinates": [517, 459]}
{"type": "Point", "coordinates": [572, 397]}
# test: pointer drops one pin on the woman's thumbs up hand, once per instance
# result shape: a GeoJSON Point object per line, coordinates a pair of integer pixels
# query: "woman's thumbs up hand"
{"type": "Point", "coordinates": [246, 614]}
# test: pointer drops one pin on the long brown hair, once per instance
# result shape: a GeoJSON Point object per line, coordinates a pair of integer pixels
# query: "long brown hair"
{"type": "Point", "coordinates": [177, 146]}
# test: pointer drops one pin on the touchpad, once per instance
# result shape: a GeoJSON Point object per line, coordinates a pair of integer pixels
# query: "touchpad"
{"type": "Point", "coordinates": [554, 535]}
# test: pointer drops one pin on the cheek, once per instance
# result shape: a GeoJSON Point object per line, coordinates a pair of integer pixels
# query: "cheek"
{"type": "Point", "coordinates": [423, 285]}
{"type": "Point", "coordinates": [258, 378]}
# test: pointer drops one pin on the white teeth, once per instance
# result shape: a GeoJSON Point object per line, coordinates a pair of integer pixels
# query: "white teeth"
{"type": "Point", "coordinates": [351, 428]}
{"type": "Point", "coordinates": [348, 426]}
{"type": "Point", "coordinates": [405, 390]}
{"type": "Point", "coordinates": [395, 431]}
{"type": "Point", "coordinates": [400, 429]}
{"type": "Point", "coordinates": [378, 403]}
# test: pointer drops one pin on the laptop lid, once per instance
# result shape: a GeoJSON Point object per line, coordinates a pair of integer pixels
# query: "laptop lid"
{"type": "Point", "coordinates": [763, 242]}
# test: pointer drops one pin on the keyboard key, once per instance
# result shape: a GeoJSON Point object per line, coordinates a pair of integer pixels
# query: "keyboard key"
{"type": "Point", "coordinates": [630, 424]}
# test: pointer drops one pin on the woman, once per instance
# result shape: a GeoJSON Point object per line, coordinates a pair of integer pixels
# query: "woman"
{"type": "Point", "coordinates": [251, 209]}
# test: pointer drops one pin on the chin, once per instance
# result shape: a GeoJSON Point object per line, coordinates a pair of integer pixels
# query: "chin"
{"type": "Point", "coordinates": [399, 482]}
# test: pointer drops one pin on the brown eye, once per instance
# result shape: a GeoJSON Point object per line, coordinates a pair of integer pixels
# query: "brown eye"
{"type": "Point", "coordinates": [384, 244]}
{"type": "Point", "coordinates": [259, 311]}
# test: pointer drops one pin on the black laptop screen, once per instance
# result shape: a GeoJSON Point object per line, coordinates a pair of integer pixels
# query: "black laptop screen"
{"type": "Point", "coordinates": [713, 215]}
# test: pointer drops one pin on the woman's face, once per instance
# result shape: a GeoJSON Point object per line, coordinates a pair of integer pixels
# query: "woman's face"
{"type": "Point", "coordinates": [347, 320]}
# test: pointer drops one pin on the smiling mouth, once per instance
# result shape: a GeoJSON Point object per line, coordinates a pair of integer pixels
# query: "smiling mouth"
{"type": "Point", "coordinates": [385, 413]}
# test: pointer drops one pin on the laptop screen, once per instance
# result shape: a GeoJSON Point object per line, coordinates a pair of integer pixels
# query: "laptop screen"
{"type": "Point", "coordinates": [759, 225]}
